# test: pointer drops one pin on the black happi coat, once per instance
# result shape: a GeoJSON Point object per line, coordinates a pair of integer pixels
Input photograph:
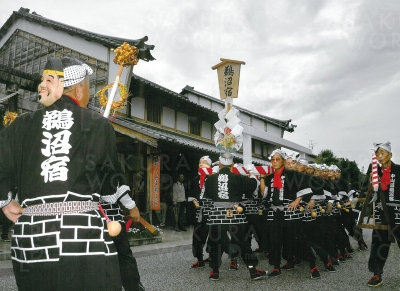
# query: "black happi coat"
{"type": "Point", "coordinates": [392, 194]}
{"type": "Point", "coordinates": [295, 184]}
{"type": "Point", "coordinates": [61, 153]}
{"type": "Point", "coordinates": [91, 142]}
{"type": "Point", "coordinates": [236, 186]}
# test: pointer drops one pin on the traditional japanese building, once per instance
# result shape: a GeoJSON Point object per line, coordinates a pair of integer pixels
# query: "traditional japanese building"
{"type": "Point", "coordinates": [175, 129]}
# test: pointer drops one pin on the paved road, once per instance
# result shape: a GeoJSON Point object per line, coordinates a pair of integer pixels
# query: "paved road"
{"type": "Point", "coordinates": [167, 268]}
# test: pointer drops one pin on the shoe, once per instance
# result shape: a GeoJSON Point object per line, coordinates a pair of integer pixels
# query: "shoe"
{"type": "Point", "coordinates": [341, 259]}
{"type": "Point", "coordinates": [162, 224]}
{"type": "Point", "coordinates": [335, 262]}
{"type": "Point", "coordinates": [274, 273]}
{"type": "Point", "coordinates": [287, 267]}
{"type": "Point", "coordinates": [350, 250]}
{"type": "Point", "coordinates": [183, 228]}
{"type": "Point", "coordinates": [315, 273]}
{"type": "Point", "coordinates": [330, 268]}
{"type": "Point", "coordinates": [362, 247]}
{"type": "Point", "coordinates": [266, 255]}
{"type": "Point", "coordinates": [198, 265]}
{"type": "Point", "coordinates": [375, 281]}
{"type": "Point", "coordinates": [233, 266]}
{"type": "Point", "coordinates": [256, 274]}
{"type": "Point", "coordinates": [207, 260]}
{"type": "Point", "coordinates": [296, 261]}
{"type": "Point", "coordinates": [214, 276]}
{"type": "Point", "coordinates": [177, 229]}
{"type": "Point", "coordinates": [347, 256]}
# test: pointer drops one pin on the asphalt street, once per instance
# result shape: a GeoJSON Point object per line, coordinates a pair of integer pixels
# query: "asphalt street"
{"type": "Point", "coordinates": [166, 266]}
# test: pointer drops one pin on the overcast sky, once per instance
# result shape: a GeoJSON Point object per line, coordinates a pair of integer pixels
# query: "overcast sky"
{"type": "Point", "coordinates": [332, 67]}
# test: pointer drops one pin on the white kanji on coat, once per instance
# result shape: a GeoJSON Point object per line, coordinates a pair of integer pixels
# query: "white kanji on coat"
{"type": "Point", "coordinates": [223, 186]}
{"type": "Point", "coordinates": [58, 120]}
{"type": "Point", "coordinates": [57, 143]}
{"type": "Point", "coordinates": [55, 169]}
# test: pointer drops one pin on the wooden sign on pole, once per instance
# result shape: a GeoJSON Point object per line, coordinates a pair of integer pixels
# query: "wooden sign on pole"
{"type": "Point", "coordinates": [228, 77]}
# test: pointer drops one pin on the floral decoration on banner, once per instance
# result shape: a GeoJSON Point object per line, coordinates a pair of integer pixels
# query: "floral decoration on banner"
{"type": "Point", "coordinates": [228, 136]}
{"type": "Point", "coordinates": [9, 117]}
{"type": "Point", "coordinates": [126, 55]}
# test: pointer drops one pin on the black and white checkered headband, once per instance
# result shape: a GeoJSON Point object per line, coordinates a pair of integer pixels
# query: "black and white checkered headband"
{"type": "Point", "coordinates": [75, 74]}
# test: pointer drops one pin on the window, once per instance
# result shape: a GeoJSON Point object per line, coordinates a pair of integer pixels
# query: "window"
{"type": "Point", "coordinates": [194, 125]}
{"type": "Point", "coordinates": [153, 111]}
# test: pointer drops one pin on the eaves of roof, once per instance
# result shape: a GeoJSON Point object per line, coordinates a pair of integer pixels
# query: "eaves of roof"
{"type": "Point", "coordinates": [5, 98]}
{"type": "Point", "coordinates": [284, 124]}
{"type": "Point", "coordinates": [161, 88]}
{"type": "Point", "coordinates": [170, 92]}
{"type": "Point", "coordinates": [161, 134]}
{"type": "Point", "coordinates": [176, 138]}
{"type": "Point", "coordinates": [107, 41]}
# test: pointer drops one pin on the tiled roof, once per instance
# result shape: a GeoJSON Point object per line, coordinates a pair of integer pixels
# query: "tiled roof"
{"type": "Point", "coordinates": [165, 135]}
{"type": "Point", "coordinates": [176, 138]}
{"type": "Point", "coordinates": [108, 41]}
{"type": "Point", "coordinates": [284, 124]}
{"type": "Point", "coordinates": [5, 98]}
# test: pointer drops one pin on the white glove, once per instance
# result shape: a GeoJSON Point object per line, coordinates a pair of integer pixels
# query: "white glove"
{"type": "Point", "coordinates": [215, 169]}
{"type": "Point", "coordinates": [250, 167]}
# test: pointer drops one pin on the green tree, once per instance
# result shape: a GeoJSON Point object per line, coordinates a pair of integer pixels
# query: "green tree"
{"type": "Point", "coordinates": [326, 157]}
{"type": "Point", "coordinates": [349, 169]}
{"type": "Point", "coordinates": [351, 173]}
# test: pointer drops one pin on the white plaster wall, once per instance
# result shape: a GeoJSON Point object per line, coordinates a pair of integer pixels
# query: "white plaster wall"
{"type": "Point", "coordinates": [216, 107]}
{"type": "Point", "coordinates": [192, 97]}
{"type": "Point", "coordinates": [274, 130]}
{"type": "Point", "coordinates": [244, 118]}
{"type": "Point", "coordinates": [206, 129]}
{"type": "Point", "coordinates": [205, 103]}
{"type": "Point", "coordinates": [168, 117]}
{"type": "Point", "coordinates": [258, 123]}
{"type": "Point", "coordinates": [137, 107]}
{"type": "Point", "coordinates": [182, 122]}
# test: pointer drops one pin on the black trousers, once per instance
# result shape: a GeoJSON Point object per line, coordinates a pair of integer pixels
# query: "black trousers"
{"type": "Point", "coordinates": [257, 225]}
{"type": "Point", "coordinates": [237, 244]}
{"type": "Point", "coordinates": [199, 238]}
{"type": "Point", "coordinates": [181, 209]}
{"type": "Point", "coordinates": [282, 235]}
{"type": "Point", "coordinates": [314, 239]}
{"type": "Point", "coordinates": [381, 241]}
{"type": "Point", "coordinates": [127, 263]}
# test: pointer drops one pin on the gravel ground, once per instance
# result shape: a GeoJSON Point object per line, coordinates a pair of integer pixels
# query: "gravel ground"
{"type": "Point", "coordinates": [169, 269]}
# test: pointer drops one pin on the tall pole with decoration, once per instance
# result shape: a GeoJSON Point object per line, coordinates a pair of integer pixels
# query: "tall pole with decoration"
{"type": "Point", "coordinates": [228, 136]}
{"type": "Point", "coordinates": [125, 56]}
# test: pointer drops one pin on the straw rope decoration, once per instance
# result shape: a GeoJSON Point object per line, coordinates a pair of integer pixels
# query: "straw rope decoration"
{"type": "Point", "coordinates": [9, 117]}
{"type": "Point", "coordinates": [125, 56]}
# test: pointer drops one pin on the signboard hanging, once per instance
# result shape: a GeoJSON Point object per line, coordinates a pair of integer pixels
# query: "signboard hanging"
{"type": "Point", "coordinates": [155, 184]}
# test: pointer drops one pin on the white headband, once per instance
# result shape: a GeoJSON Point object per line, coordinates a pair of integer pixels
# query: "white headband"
{"type": "Point", "coordinates": [386, 146]}
{"type": "Point", "coordinates": [207, 159]}
{"type": "Point", "coordinates": [278, 151]}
